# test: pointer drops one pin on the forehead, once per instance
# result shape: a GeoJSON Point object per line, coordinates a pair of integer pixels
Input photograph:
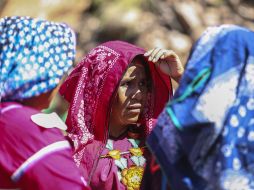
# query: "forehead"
{"type": "Point", "coordinates": [136, 69]}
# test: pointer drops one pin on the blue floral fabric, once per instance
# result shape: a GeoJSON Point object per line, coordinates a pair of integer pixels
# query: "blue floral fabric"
{"type": "Point", "coordinates": [204, 138]}
{"type": "Point", "coordinates": [34, 55]}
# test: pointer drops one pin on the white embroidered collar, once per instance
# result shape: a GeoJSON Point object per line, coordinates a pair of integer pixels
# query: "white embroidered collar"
{"type": "Point", "coordinates": [51, 120]}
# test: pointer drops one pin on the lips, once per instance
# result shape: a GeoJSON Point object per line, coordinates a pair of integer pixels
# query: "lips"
{"type": "Point", "coordinates": [135, 106]}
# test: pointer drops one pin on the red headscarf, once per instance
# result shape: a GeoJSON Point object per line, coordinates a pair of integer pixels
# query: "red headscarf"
{"type": "Point", "coordinates": [92, 85]}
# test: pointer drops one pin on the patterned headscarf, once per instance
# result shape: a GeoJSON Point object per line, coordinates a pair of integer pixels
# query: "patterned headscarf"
{"type": "Point", "coordinates": [91, 87]}
{"type": "Point", "coordinates": [204, 138]}
{"type": "Point", "coordinates": [34, 55]}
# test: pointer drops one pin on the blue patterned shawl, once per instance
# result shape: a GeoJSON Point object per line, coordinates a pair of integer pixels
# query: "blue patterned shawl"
{"type": "Point", "coordinates": [204, 138]}
{"type": "Point", "coordinates": [34, 55]}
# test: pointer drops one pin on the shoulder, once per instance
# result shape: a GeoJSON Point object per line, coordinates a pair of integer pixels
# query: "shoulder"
{"type": "Point", "coordinates": [14, 116]}
{"type": "Point", "coordinates": [16, 124]}
{"type": "Point", "coordinates": [19, 115]}
{"type": "Point", "coordinates": [21, 138]}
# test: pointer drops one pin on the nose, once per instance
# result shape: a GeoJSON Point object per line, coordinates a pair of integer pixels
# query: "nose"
{"type": "Point", "coordinates": [138, 94]}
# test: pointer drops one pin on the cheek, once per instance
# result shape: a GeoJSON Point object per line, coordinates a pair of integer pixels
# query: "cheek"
{"type": "Point", "coordinates": [144, 95]}
{"type": "Point", "coordinates": [122, 98]}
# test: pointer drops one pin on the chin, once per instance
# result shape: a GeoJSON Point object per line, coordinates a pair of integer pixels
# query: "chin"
{"type": "Point", "coordinates": [133, 120]}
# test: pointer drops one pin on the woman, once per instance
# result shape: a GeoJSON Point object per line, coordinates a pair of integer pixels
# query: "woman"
{"type": "Point", "coordinates": [34, 55]}
{"type": "Point", "coordinates": [115, 95]}
{"type": "Point", "coordinates": [204, 137]}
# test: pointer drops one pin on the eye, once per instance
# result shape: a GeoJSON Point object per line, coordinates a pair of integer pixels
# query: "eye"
{"type": "Point", "coordinates": [142, 83]}
{"type": "Point", "coordinates": [126, 84]}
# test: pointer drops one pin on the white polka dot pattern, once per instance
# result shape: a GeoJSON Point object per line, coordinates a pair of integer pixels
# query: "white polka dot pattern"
{"type": "Point", "coordinates": [34, 56]}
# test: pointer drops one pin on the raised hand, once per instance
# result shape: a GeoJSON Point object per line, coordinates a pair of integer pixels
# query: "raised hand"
{"type": "Point", "coordinates": [168, 62]}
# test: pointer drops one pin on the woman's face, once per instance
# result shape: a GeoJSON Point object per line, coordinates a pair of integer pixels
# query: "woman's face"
{"type": "Point", "coordinates": [131, 96]}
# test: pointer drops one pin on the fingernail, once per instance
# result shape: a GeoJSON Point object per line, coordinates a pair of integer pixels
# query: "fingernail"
{"type": "Point", "coordinates": [145, 54]}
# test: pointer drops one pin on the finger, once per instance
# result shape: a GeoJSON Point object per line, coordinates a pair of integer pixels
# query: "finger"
{"type": "Point", "coordinates": [152, 56]}
{"type": "Point", "coordinates": [148, 53]}
{"type": "Point", "coordinates": [170, 53]}
{"type": "Point", "coordinates": [159, 55]}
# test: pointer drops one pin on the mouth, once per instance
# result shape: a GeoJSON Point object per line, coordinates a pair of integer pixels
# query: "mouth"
{"type": "Point", "coordinates": [136, 106]}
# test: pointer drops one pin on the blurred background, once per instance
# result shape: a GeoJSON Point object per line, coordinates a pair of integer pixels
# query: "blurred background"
{"type": "Point", "coordinates": [172, 24]}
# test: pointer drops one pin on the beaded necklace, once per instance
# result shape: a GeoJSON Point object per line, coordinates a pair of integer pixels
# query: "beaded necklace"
{"type": "Point", "coordinates": [131, 177]}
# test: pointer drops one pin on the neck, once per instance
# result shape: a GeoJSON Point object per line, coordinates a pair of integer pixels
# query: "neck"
{"type": "Point", "coordinates": [117, 130]}
{"type": "Point", "coordinates": [38, 102]}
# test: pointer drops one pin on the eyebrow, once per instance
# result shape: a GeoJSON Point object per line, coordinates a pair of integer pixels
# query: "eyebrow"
{"type": "Point", "coordinates": [132, 78]}
{"type": "Point", "coordinates": [128, 79]}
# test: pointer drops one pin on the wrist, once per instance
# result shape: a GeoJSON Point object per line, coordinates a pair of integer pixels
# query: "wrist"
{"type": "Point", "coordinates": [178, 77]}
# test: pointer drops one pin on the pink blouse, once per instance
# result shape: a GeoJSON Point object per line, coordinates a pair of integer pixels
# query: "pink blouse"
{"type": "Point", "coordinates": [105, 176]}
{"type": "Point", "coordinates": [32, 157]}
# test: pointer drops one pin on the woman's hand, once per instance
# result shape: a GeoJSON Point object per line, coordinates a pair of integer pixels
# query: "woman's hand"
{"type": "Point", "coordinates": [168, 62]}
